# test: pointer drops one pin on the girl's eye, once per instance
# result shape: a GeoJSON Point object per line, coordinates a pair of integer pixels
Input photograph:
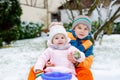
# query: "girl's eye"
{"type": "Point", "coordinates": [56, 38]}
{"type": "Point", "coordinates": [62, 37]}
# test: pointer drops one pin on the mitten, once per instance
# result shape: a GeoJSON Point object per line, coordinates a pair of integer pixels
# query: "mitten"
{"type": "Point", "coordinates": [77, 55]}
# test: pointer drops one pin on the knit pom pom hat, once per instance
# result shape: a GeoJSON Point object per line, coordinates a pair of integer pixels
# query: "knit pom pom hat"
{"type": "Point", "coordinates": [56, 29]}
{"type": "Point", "coordinates": [82, 20]}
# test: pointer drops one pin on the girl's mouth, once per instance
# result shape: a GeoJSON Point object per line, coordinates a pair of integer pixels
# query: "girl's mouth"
{"type": "Point", "coordinates": [59, 43]}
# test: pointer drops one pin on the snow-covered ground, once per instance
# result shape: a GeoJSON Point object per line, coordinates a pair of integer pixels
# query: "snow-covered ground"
{"type": "Point", "coordinates": [106, 64]}
{"type": "Point", "coordinates": [16, 61]}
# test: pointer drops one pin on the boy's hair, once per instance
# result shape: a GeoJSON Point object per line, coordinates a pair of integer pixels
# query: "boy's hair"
{"type": "Point", "coordinates": [82, 20]}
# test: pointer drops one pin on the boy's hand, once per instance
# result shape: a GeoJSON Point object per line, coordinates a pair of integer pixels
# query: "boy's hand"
{"type": "Point", "coordinates": [71, 58]}
{"type": "Point", "coordinates": [77, 55]}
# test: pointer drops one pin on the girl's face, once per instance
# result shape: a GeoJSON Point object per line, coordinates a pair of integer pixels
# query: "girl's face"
{"type": "Point", "coordinates": [81, 31]}
{"type": "Point", "coordinates": [59, 40]}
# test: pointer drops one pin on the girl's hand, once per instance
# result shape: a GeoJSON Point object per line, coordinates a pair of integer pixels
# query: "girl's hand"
{"type": "Point", "coordinates": [71, 58]}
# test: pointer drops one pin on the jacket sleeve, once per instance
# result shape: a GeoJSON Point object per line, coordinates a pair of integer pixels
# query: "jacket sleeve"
{"type": "Point", "coordinates": [89, 51]}
{"type": "Point", "coordinates": [87, 62]}
{"type": "Point", "coordinates": [89, 58]}
{"type": "Point", "coordinates": [42, 59]}
{"type": "Point", "coordinates": [77, 45]}
{"type": "Point", "coordinates": [86, 44]}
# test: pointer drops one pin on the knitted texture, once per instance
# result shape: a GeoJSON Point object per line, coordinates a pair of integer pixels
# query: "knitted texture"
{"type": "Point", "coordinates": [82, 20]}
{"type": "Point", "coordinates": [56, 29]}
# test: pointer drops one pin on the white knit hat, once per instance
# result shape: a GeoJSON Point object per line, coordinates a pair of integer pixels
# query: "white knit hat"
{"type": "Point", "coordinates": [56, 29]}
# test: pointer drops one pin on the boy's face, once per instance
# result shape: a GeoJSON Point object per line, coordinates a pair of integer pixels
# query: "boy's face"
{"type": "Point", "coordinates": [81, 31]}
{"type": "Point", "coordinates": [59, 40]}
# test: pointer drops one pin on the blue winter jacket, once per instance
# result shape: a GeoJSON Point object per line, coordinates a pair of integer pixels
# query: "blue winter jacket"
{"type": "Point", "coordinates": [84, 45]}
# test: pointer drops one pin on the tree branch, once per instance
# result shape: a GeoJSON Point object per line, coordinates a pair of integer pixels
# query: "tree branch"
{"type": "Point", "coordinates": [115, 16]}
{"type": "Point", "coordinates": [92, 7]}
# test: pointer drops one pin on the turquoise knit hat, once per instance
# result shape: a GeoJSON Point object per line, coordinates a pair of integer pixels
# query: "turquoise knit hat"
{"type": "Point", "coordinates": [82, 20]}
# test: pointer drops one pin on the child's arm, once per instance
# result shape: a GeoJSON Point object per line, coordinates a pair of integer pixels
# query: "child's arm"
{"type": "Point", "coordinates": [76, 56]}
{"type": "Point", "coordinates": [86, 44]}
{"type": "Point", "coordinates": [87, 62]}
{"type": "Point", "coordinates": [79, 56]}
{"type": "Point", "coordinates": [89, 58]}
{"type": "Point", "coordinates": [42, 59]}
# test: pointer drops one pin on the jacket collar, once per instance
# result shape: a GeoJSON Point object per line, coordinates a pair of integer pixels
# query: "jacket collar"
{"type": "Point", "coordinates": [66, 46]}
{"type": "Point", "coordinates": [86, 38]}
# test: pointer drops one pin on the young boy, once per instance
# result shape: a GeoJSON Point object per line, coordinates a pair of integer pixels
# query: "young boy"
{"type": "Point", "coordinates": [80, 38]}
{"type": "Point", "coordinates": [57, 53]}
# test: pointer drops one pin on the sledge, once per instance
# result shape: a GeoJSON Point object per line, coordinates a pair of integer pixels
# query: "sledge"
{"type": "Point", "coordinates": [81, 74]}
{"type": "Point", "coordinates": [56, 76]}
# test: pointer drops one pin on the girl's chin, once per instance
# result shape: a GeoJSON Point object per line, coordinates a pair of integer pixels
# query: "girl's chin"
{"type": "Point", "coordinates": [60, 45]}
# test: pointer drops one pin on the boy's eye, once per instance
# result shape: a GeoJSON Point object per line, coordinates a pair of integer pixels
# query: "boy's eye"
{"type": "Point", "coordinates": [79, 27]}
{"type": "Point", "coordinates": [86, 28]}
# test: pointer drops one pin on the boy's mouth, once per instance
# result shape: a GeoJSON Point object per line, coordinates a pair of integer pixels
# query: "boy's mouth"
{"type": "Point", "coordinates": [81, 34]}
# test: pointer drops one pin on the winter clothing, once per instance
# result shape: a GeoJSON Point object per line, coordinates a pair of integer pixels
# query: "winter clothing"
{"type": "Point", "coordinates": [55, 23]}
{"type": "Point", "coordinates": [56, 29]}
{"type": "Point", "coordinates": [58, 58]}
{"type": "Point", "coordinates": [82, 20]}
{"type": "Point", "coordinates": [83, 73]}
{"type": "Point", "coordinates": [66, 46]}
{"type": "Point", "coordinates": [84, 45]}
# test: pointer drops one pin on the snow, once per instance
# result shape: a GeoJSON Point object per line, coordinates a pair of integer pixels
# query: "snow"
{"type": "Point", "coordinates": [107, 62]}
{"type": "Point", "coordinates": [16, 60]}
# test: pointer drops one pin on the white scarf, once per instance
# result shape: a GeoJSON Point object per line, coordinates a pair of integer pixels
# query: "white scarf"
{"type": "Point", "coordinates": [66, 46]}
